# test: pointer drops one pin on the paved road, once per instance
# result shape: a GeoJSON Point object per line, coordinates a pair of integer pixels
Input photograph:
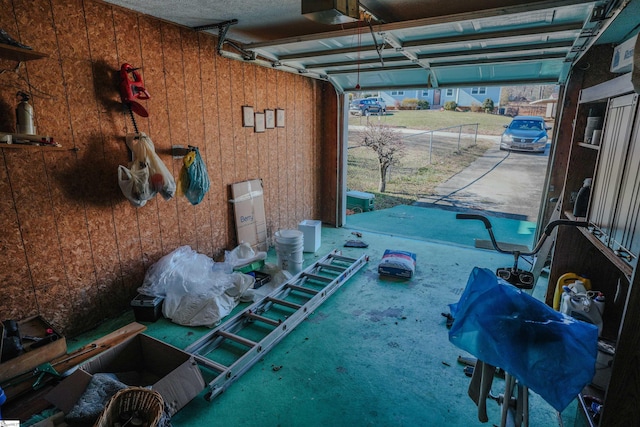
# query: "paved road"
{"type": "Point", "coordinates": [508, 183]}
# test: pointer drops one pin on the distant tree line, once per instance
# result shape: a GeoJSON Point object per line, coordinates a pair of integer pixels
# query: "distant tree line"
{"type": "Point", "coordinates": [525, 93]}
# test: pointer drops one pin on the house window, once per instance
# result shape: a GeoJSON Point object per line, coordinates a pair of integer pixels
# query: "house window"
{"type": "Point", "coordinates": [449, 92]}
{"type": "Point", "coordinates": [478, 90]}
{"type": "Point", "coordinates": [425, 93]}
{"type": "Point", "coordinates": [397, 92]}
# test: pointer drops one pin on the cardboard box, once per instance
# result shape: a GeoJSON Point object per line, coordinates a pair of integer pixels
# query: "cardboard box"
{"type": "Point", "coordinates": [311, 230]}
{"type": "Point", "coordinates": [622, 61]}
{"type": "Point", "coordinates": [34, 326]}
{"type": "Point", "coordinates": [139, 361]}
{"type": "Point", "coordinates": [248, 207]}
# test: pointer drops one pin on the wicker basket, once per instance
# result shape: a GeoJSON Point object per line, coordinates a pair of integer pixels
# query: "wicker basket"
{"type": "Point", "coordinates": [147, 405]}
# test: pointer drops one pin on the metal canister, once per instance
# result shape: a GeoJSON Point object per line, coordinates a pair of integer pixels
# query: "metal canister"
{"type": "Point", "coordinates": [24, 115]}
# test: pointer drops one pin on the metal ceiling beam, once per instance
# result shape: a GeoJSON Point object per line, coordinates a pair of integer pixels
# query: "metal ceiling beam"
{"type": "Point", "coordinates": [490, 61]}
{"type": "Point", "coordinates": [451, 54]}
{"type": "Point", "coordinates": [498, 50]}
{"type": "Point", "coordinates": [477, 83]}
{"type": "Point", "coordinates": [462, 38]}
{"type": "Point", "coordinates": [480, 36]}
{"type": "Point", "coordinates": [422, 22]}
{"type": "Point", "coordinates": [328, 52]}
{"type": "Point", "coordinates": [376, 60]}
{"type": "Point", "coordinates": [376, 69]}
{"type": "Point", "coordinates": [435, 64]}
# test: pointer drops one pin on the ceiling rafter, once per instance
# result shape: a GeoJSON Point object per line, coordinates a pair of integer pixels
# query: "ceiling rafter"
{"type": "Point", "coordinates": [423, 22]}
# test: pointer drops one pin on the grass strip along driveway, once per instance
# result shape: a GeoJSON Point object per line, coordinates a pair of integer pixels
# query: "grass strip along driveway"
{"type": "Point", "coordinates": [420, 170]}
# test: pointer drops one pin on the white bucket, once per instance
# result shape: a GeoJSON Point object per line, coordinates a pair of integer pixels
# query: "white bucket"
{"type": "Point", "coordinates": [289, 236]}
{"type": "Point", "coordinates": [289, 248]}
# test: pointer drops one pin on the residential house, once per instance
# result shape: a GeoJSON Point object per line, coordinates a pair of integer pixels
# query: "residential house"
{"type": "Point", "coordinates": [464, 96]}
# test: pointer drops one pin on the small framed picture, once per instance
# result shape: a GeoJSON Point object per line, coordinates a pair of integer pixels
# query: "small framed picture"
{"type": "Point", "coordinates": [259, 122]}
{"type": "Point", "coordinates": [279, 118]}
{"type": "Point", "coordinates": [247, 117]}
{"type": "Point", "coordinates": [269, 119]}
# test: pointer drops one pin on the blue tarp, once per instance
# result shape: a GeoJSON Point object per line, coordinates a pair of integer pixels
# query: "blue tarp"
{"type": "Point", "coordinates": [551, 353]}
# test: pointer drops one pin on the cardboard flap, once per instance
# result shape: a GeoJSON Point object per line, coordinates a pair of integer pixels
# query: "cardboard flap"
{"type": "Point", "coordinates": [174, 392]}
{"type": "Point", "coordinates": [65, 395]}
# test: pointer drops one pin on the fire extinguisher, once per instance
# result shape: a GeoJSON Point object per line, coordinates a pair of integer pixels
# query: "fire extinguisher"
{"type": "Point", "coordinates": [24, 115]}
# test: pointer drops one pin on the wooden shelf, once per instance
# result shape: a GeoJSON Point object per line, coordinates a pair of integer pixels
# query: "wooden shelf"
{"type": "Point", "coordinates": [609, 89]}
{"type": "Point", "coordinates": [15, 140]}
{"type": "Point", "coordinates": [589, 146]}
{"type": "Point", "coordinates": [18, 54]}
{"type": "Point", "coordinates": [33, 146]}
{"type": "Point", "coordinates": [624, 268]}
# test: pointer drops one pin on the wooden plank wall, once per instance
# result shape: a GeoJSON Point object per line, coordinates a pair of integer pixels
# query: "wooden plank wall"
{"type": "Point", "coordinates": [72, 248]}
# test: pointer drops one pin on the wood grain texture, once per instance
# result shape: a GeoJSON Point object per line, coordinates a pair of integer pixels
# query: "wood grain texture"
{"type": "Point", "coordinates": [72, 248]}
{"type": "Point", "coordinates": [211, 151]}
{"type": "Point", "coordinates": [193, 96]}
{"type": "Point", "coordinates": [271, 175]}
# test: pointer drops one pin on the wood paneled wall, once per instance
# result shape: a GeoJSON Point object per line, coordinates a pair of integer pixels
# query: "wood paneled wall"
{"type": "Point", "coordinates": [72, 248]}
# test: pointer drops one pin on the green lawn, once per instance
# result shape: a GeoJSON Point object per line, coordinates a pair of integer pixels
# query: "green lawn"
{"type": "Point", "coordinates": [488, 124]}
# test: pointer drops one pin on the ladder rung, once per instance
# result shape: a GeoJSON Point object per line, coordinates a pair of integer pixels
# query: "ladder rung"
{"type": "Point", "coordinates": [237, 338]}
{"type": "Point", "coordinates": [266, 320]}
{"type": "Point", "coordinates": [318, 278]}
{"type": "Point", "coordinates": [285, 303]}
{"type": "Point", "coordinates": [343, 258]}
{"type": "Point", "coordinates": [210, 363]}
{"type": "Point", "coordinates": [331, 266]}
{"type": "Point", "coordinates": [302, 289]}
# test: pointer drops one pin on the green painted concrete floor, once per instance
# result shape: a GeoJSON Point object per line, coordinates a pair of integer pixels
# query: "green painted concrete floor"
{"type": "Point", "coordinates": [376, 353]}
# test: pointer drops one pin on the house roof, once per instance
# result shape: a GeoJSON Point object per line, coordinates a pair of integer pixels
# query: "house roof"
{"type": "Point", "coordinates": [401, 44]}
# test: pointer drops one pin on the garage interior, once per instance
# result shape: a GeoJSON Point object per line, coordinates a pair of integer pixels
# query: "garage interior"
{"type": "Point", "coordinates": [74, 250]}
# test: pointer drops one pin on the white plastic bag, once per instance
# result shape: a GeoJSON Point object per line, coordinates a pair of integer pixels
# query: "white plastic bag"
{"type": "Point", "coordinates": [242, 255]}
{"type": "Point", "coordinates": [134, 184]}
{"type": "Point", "coordinates": [147, 175]}
{"type": "Point", "coordinates": [195, 292]}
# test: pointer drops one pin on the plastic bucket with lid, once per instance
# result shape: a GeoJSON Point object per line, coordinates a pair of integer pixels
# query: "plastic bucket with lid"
{"type": "Point", "coordinates": [289, 250]}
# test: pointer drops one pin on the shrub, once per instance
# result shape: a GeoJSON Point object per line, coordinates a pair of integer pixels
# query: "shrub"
{"type": "Point", "coordinates": [409, 103]}
{"type": "Point", "coordinates": [487, 105]}
{"type": "Point", "coordinates": [450, 105]}
{"type": "Point", "coordinates": [423, 104]}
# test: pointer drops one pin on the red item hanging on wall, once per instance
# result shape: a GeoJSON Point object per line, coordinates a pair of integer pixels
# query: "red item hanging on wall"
{"type": "Point", "coordinates": [132, 88]}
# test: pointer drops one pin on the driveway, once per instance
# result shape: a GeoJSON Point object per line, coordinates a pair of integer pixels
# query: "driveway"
{"type": "Point", "coordinates": [506, 183]}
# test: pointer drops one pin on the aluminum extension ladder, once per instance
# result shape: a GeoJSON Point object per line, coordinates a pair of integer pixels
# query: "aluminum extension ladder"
{"type": "Point", "coordinates": [241, 341]}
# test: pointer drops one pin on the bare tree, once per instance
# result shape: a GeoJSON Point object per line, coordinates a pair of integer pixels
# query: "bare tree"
{"type": "Point", "coordinates": [388, 145]}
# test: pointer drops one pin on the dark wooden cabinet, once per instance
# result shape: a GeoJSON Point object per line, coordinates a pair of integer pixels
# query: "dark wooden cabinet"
{"type": "Point", "coordinates": [608, 249]}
